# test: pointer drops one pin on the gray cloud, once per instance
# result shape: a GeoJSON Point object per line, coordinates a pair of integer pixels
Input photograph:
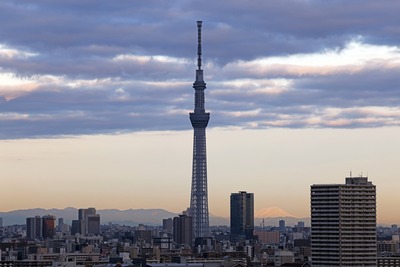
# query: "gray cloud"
{"type": "Point", "coordinates": [105, 67]}
{"type": "Point", "coordinates": [235, 30]}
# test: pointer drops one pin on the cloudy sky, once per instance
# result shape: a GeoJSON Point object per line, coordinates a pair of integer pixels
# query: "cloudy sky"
{"type": "Point", "coordinates": [95, 95]}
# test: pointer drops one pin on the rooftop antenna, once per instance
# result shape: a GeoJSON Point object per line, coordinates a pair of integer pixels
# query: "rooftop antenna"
{"type": "Point", "coordinates": [199, 44]}
{"type": "Point", "coordinates": [350, 174]}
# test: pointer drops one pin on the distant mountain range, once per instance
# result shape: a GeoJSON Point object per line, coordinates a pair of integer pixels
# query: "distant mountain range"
{"type": "Point", "coordinates": [133, 217]}
{"type": "Point", "coordinates": [127, 217]}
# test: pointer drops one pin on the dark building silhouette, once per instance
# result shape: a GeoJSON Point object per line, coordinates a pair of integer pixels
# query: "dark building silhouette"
{"type": "Point", "coordinates": [242, 216]}
{"type": "Point", "coordinates": [49, 222]}
{"type": "Point", "coordinates": [93, 224]}
{"type": "Point", "coordinates": [183, 230]}
{"type": "Point", "coordinates": [343, 223]}
{"type": "Point", "coordinates": [60, 224]}
{"type": "Point", "coordinates": [199, 119]}
{"type": "Point", "coordinates": [34, 228]}
{"type": "Point", "coordinates": [83, 220]}
{"type": "Point", "coordinates": [75, 227]}
{"type": "Point", "coordinates": [168, 225]}
{"type": "Point", "coordinates": [282, 226]}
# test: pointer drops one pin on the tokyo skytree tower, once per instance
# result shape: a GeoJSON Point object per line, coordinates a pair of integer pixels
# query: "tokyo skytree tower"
{"type": "Point", "coordinates": [199, 119]}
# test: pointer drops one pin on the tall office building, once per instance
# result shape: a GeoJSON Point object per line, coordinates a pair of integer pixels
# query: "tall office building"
{"type": "Point", "coordinates": [343, 224]}
{"type": "Point", "coordinates": [93, 224]}
{"type": "Point", "coordinates": [48, 226]}
{"type": "Point", "coordinates": [75, 225]}
{"type": "Point", "coordinates": [242, 216]}
{"type": "Point", "coordinates": [34, 227]}
{"type": "Point", "coordinates": [83, 218]}
{"type": "Point", "coordinates": [199, 119]}
{"type": "Point", "coordinates": [183, 230]}
{"type": "Point", "coordinates": [60, 224]}
{"type": "Point", "coordinates": [282, 226]}
{"type": "Point", "coordinates": [1, 222]}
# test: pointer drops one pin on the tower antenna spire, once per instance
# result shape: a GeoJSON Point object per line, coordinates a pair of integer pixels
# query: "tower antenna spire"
{"type": "Point", "coordinates": [199, 44]}
{"type": "Point", "coordinates": [199, 119]}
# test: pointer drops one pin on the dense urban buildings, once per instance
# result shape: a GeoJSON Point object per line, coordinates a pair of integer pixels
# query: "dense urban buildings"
{"type": "Point", "coordinates": [343, 223]}
{"type": "Point", "coordinates": [88, 224]}
{"type": "Point", "coordinates": [144, 245]}
{"type": "Point", "coordinates": [199, 119]}
{"type": "Point", "coordinates": [40, 227]}
{"type": "Point", "coordinates": [242, 216]}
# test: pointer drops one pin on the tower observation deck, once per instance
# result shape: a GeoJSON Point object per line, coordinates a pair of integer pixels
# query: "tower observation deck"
{"type": "Point", "coordinates": [199, 119]}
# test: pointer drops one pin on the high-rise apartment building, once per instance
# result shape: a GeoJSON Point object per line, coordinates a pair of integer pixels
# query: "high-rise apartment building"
{"type": "Point", "coordinates": [183, 230]}
{"type": "Point", "coordinates": [34, 227]}
{"type": "Point", "coordinates": [343, 223]}
{"type": "Point", "coordinates": [242, 216]}
{"type": "Point", "coordinates": [199, 119]}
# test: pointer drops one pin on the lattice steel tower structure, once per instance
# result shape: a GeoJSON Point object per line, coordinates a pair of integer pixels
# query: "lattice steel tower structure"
{"type": "Point", "coordinates": [199, 119]}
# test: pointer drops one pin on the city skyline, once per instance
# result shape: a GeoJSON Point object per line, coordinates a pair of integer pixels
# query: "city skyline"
{"type": "Point", "coordinates": [90, 104]}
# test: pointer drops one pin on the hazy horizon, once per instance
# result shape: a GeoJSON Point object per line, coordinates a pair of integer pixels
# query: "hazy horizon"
{"type": "Point", "coordinates": [270, 212]}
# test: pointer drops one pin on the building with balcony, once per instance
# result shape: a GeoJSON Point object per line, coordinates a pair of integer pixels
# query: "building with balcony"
{"type": "Point", "coordinates": [343, 223]}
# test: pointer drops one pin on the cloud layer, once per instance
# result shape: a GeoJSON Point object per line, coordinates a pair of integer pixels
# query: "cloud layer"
{"type": "Point", "coordinates": [75, 67]}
